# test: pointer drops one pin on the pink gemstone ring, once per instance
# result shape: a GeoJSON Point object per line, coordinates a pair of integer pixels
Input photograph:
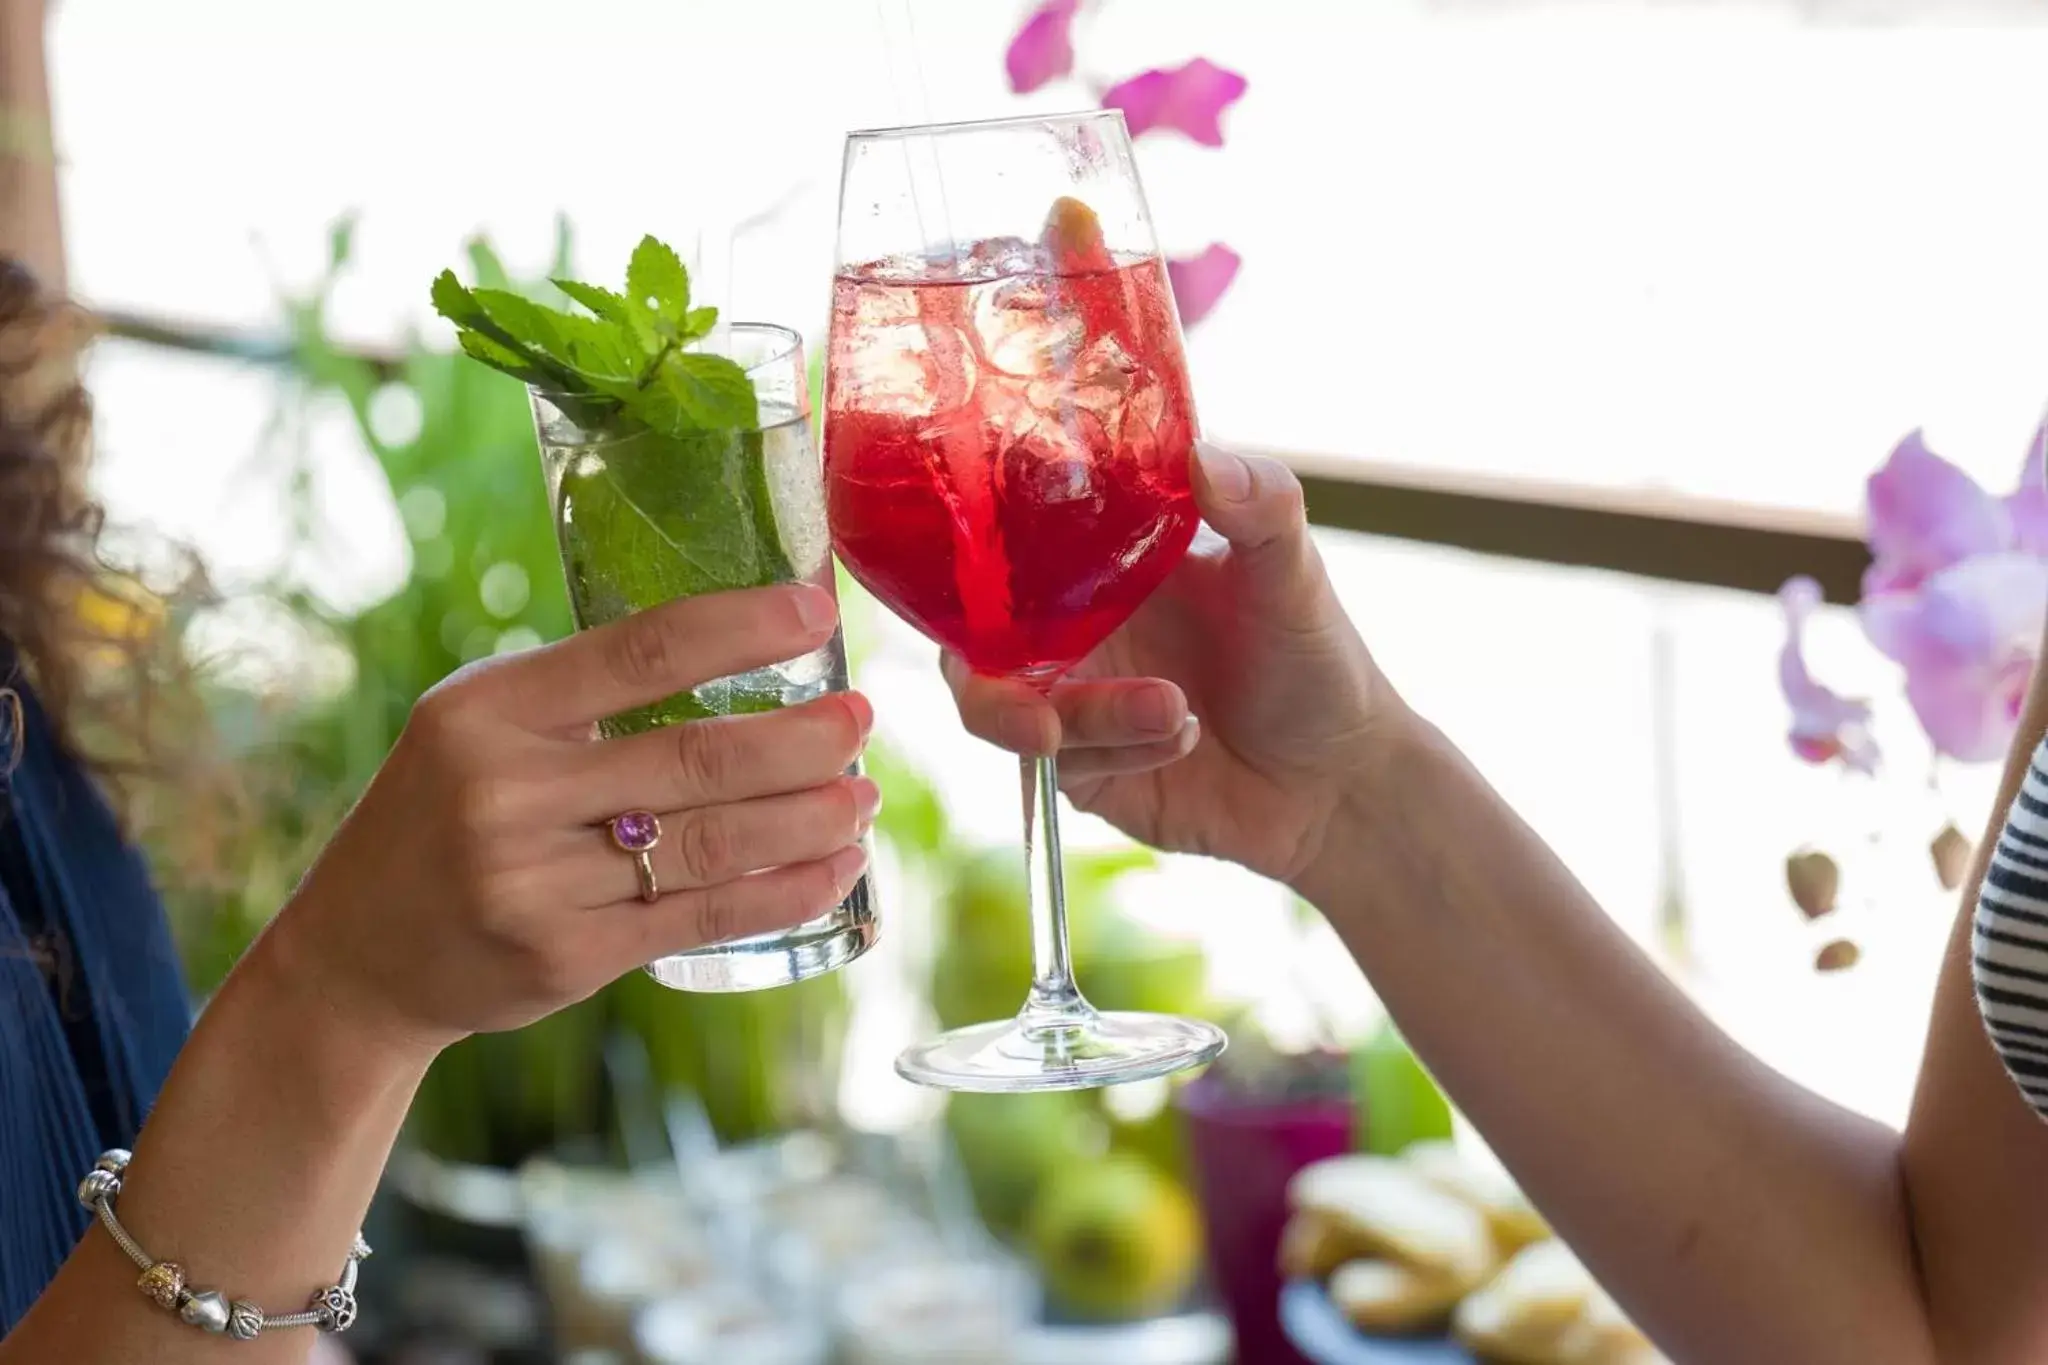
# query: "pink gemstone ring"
{"type": "Point", "coordinates": [637, 832]}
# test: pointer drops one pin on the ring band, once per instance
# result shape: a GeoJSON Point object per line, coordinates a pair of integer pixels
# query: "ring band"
{"type": "Point", "coordinates": [636, 832]}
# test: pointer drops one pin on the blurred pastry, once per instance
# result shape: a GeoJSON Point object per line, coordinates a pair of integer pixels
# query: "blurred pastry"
{"type": "Point", "coordinates": [1508, 1212]}
{"type": "Point", "coordinates": [1400, 1217]}
{"type": "Point", "coordinates": [1389, 1299]}
{"type": "Point", "coordinates": [1314, 1244]}
{"type": "Point", "coordinates": [1527, 1315]}
{"type": "Point", "coordinates": [1603, 1335]}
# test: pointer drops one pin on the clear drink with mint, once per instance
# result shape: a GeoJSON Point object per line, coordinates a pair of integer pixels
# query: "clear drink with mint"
{"type": "Point", "coordinates": [679, 460]}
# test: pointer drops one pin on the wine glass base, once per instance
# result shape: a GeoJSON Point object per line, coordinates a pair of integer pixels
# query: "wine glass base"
{"type": "Point", "coordinates": [1008, 1057]}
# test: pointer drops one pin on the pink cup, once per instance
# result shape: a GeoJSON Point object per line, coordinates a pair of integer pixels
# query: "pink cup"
{"type": "Point", "coordinates": [1244, 1156]}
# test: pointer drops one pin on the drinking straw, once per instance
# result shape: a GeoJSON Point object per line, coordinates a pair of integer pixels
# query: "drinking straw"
{"type": "Point", "coordinates": [711, 280]}
{"type": "Point", "coordinates": [913, 110]}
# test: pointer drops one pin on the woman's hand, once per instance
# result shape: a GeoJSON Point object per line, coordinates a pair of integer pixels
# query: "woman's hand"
{"type": "Point", "coordinates": [1229, 715]}
{"type": "Point", "coordinates": [475, 887]}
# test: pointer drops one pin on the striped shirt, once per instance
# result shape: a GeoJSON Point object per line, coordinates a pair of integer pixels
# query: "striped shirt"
{"type": "Point", "coordinates": [2010, 945]}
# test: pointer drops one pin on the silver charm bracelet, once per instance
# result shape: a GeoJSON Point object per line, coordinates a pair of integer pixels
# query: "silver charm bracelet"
{"type": "Point", "coordinates": [332, 1309]}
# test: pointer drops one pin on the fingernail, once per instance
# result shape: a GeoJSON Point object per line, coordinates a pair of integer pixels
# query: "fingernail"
{"type": "Point", "coordinates": [863, 714]}
{"type": "Point", "coordinates": [1151, 710]}
{"type": "Point", "coordinates": [867, 799]}
{"type": "Point", "coordinates": [852, 866]}
{"type": "Point", "coordinates": [815, 608]}
{"type": "Point", "coordinates": [1228, 475]}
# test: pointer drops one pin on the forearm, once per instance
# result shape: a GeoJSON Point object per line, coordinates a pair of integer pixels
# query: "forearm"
{"type": "Point", "coordinates": [30, 229]}
{"type": "Point", "coordinates": [253, 1172]}
{"type": "Point", "coordinates": [1736, 1215]}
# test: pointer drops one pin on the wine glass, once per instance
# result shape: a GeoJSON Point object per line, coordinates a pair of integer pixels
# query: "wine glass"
{"type": "Point", "coordinates": [1007, 438]}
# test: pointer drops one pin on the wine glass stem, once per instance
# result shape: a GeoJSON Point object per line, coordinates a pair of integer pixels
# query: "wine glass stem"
{"type": "Point", "coordinates": [1055, 1001]}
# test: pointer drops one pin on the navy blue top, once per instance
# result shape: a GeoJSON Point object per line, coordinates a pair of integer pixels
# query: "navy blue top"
{"type": "Point", "coordinates": [92, 1002]}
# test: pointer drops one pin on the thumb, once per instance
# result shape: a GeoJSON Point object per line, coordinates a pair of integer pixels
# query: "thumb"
{"type": "Point", "coordinates": [1256, 504]}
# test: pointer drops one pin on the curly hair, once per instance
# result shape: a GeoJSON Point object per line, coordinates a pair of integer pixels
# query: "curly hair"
{"type": "Point", "coordinates": [49, 524]}
{"type": "Point", "coordinates": [81, 633]}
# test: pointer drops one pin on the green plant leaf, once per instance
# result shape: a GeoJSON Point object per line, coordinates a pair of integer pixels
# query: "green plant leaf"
{"type": "Point", "coordinates": [656, 517]}
{"type": "Point", "coordinates": [698, 322]}
{"type": "Point", "coordinates": [603, 302]}
{"type": "Point", "coordinates": [515, 363]}
{"type": "Point", "coordinates": [340, 242]}
{"type": "Point", "coordinates": [455, 303]}
{"type": "Point", "coordinates": [528, 325]}
{"type": "Point", "coordinates": [602, 353]}
{"type": "Point", "coordinates": [597, 352]}
{"type": "Point", "coordinates": [1092, 871]}
{"type": "Point", "coordinates": [709, 390]}
{"type": "Point", "coordinates": [913, 818]}
{"type": "Point", "coordinates": [657, 282]}
{"type": "Point", "coordinates": [565, 246]}
{"type": "Point", "coordinates": [486, 267]}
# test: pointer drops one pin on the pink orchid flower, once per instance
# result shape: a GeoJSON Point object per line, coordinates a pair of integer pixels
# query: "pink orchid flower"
{"type": "Point", "coordinates": [2027, 505]}
{"type": "Point", "coordinates": [1199, 281]}
{"type": "Point", "coordinates": [1966, 637]}
{"type": "Point", "coordinates": [1043, 50]}
{"type": "Point", "coordinates": [1926, 514]}
{"type": "Point", "coordinates": [1825, 725]}
{"type": "Point", "coordinates": [1189, 99]}
{"type": "Point", "coordinates": [1957, 592]}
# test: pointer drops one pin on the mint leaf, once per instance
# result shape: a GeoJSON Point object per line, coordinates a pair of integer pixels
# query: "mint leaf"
{"type": "Point", "coordinates": [625, 357]}
{"type": "Point", "coordinates": [680, 492]}
{"type": "Point", "coordinates": [456, 303]}
{"type": "Point", "coordinates": [489, 340]}
{"type": "Point", "coordinates": [698, 322]}
{"type": "Point", "coordinates": [655, 517]}
{"type": "Point", "coordinates": [657, 297]}
{"type": "Point", "coordinates": [480, 347]}
{"type": "Point", "coordinates": [601, 353]}
{"type": "Point", "coordinates": [657, 282]}
{"type": "Point", "coordinates": [603, 302]}
{"type": "Point", "coordinates": [709, 391]}
{"type": "Point", "coordinates": [514, 316]}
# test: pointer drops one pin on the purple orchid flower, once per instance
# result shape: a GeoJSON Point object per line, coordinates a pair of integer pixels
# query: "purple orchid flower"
{"type": "Point", "coordinates": [1200, 281]}
{"type": "Point", "coordinates": [1926, 514]}
{"type": "Point", "coordinates": [1043, 50]}
{"type": "Point", "coordinates": [1956, 594]}
{"type": "Point", "coordinates": [1825, 725]}
{"type": "Point", "coordinates": [2027, 505]}
{"type": "Point", "coordinates": [1189, 99]}
{"type": "Point", "coordinates": [1966, 638]}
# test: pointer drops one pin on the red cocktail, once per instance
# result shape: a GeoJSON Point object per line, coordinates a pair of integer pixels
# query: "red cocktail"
{"type": "Point", "coordinates": [1007, 441]}
{"type": "Point", "coordinates": [1007, 454]}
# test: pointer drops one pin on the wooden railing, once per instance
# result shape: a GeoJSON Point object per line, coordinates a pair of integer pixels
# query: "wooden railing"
{"type": "Point", "coordinates": [1670, 536]}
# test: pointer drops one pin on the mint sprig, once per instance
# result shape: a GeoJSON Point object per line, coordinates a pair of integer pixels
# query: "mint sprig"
{"type": "Point", "coordinates": [627, 357]}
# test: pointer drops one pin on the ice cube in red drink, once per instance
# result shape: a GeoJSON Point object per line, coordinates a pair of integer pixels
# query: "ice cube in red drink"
{"type": "Point", "coordinates": [1007, 454]}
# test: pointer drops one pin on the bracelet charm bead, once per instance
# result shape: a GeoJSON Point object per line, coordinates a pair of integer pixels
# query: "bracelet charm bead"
{"type": "Point", "coordinates": [336, 1306]}
{"type": "Point", "coordinates": [332, 1309]}
{"type": "Point", "coordinates": [97, 1185]}
{"type": "Point", "coordinates": [208, 1310]}
{"type": "Point", "coordinates": [245, 1321]}
{"type": "Point", "coordinates": [164, 1282]}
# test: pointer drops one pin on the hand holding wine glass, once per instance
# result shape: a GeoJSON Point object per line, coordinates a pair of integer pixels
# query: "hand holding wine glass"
{"type": "Point", "coordinates": [1228, 715]}
{"type": "Point", "coordinates": [1008, 436]}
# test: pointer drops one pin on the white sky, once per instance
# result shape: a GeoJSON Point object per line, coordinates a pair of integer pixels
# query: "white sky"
{"type": "Point", "coordinates": [1710, 248]}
